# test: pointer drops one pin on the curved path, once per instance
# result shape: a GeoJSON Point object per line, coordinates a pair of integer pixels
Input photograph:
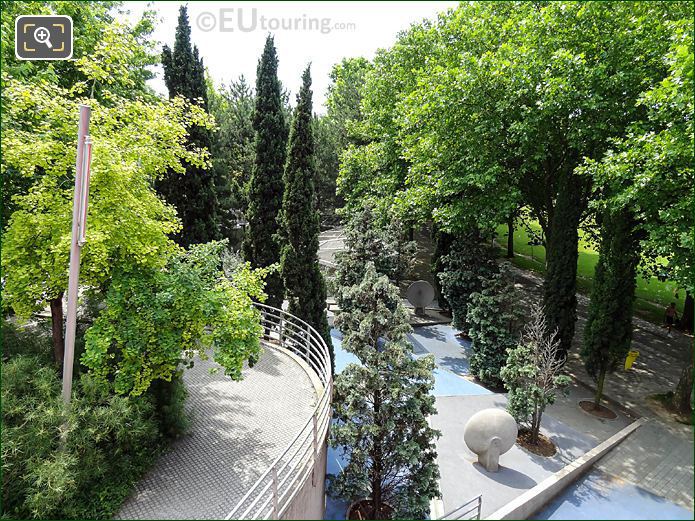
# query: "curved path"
{"type": "Point", "coordinates": [237, 430]}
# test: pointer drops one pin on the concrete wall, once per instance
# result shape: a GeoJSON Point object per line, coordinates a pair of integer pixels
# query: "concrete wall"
{"type": "Point", "coordinates": [310, 501]}
{"type": "Point", "coordinates": [533, 500]}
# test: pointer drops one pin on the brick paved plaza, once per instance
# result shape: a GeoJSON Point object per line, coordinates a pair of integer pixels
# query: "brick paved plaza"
{"type": "Point", "coordinates": [237, 430]}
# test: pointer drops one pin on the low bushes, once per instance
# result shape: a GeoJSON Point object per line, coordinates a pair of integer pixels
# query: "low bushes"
{"type": "Point", "coordinates": [80, 464]}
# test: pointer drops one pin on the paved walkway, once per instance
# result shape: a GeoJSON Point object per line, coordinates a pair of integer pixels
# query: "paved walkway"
{"type": "Point", "coordinates": [237, 430]}
{"type": "Point", "coordinates": [656, 370]}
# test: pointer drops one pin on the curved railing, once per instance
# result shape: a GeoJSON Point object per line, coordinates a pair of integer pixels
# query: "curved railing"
{"type": "Point", "coordinates": [273, 492]}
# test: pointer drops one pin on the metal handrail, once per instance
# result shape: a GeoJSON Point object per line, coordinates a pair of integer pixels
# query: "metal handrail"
{"type": "Point", "coordinates": [275, 489]}
{"type": "Point", "coordinates": [472, 505]}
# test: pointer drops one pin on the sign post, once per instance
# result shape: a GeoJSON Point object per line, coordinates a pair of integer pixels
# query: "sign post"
{"type": "Point", "coordinates": [79, 223]}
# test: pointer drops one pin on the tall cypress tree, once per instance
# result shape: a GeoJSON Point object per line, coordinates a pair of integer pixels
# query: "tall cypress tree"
{"type": "Point", "coordinates": [304, 284]}
{"type": "Point", "coordinates": [261, 246]}
{"type": "Point", "coordinates": [608, 330]}
{"type": "Point", "coordinates": [193, 192]}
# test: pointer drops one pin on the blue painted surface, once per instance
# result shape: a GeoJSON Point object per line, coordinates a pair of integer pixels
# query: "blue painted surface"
{"type": "Point", "coordinates": [450, 352]}
{"type": "Point", "coordinates": [440, 339]}
{"type": "Point", "coordinates": [450, 355]}
{"type": "Point", "coordinates": [598, 496]}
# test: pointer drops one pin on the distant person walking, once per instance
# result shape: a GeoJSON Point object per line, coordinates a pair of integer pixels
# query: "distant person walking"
{"type": "Point", "coordinates": [671, 317]}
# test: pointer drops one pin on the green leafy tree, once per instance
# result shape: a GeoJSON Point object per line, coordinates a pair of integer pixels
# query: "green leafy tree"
{"type": "Point", "coordinates": [381, 406]}
{"type": "Point", "coordinates": [336, 130]}
{"type": "Point", "coordinates": [134, 142]}
{"type": "Point", "coordinates": [302, 278]}
{"type": "Point", "coordinates": [261, 247]}
{"type": "Point", "coordinates": [327, 163]}
{"type": "Point", "coordinates": [469, 117]}
{"type": "Point", "coordinates": [344, 98]}
{"type": "Point", "coordinates": [156, 320]}
{"type": "Point", "coordinates": [93, 21]}
{"type": "Point", "coordinates": [646, 173]}
{"type": "Point", "coordinates": [469, 262]}
{"type": "Point", "coordinates": [608, 330]}
{"type": "Point", "coordinates": [493, 321]}
{"type": "Point", "coordinates": [94, 32]}
{"type": "Point", "coordinates": [532, 373]}
{"type": "Point", "coordinates": [194, 192]}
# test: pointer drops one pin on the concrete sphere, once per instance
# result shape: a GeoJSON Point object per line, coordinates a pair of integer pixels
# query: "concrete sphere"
{"type": "Point", "coordinates": [487, 425]}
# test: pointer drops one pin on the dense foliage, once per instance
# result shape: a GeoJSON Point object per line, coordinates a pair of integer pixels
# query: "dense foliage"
{"type": "Point", "coordinates": [532, 373]}
{"type": "Point", "coordinates": [232, 151]}
{"type": "Point", "coordinates": [327, 162]}
{"type": "Point", "coordinates": [493, 320]}
{"type": "Point", "coordinates": [76, 465]}
{"type": "Point", "coordinates": [608, 330]}
{"type": "Point", "coordinates": [468, 262]}
{"type": "Point", "coordinates": [193, 191]}
{"type": "Point", "coordinates": [302, 278]}
{"type": "Point", "coordinates": [261, 246]}
{"type": "Point", "coordinates": [495, 105]}
{"type": "Point", "coordinates": [367, 240]}
{"type": "Point", "coordinates": [135, 141]}
{"type": "Point", "coordinates": [156, 320]}
{"type": "Point", "coordinates": [381, 406]}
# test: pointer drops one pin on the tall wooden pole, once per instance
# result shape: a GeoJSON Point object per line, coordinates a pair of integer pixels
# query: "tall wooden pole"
{"type": "Point", "coordinates": [79, 213]}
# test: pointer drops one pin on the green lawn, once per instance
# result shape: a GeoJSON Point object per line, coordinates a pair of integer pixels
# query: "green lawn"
{"type": "Point", "coordinates": [652, 294]}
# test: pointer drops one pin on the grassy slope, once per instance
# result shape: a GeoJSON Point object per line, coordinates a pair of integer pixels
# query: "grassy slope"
{"type": "Point", "coordinates": [652, 294]}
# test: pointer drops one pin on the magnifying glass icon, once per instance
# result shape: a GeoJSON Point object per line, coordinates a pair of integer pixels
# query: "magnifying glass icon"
{"type": "Point", "coordinates": [42, 35]}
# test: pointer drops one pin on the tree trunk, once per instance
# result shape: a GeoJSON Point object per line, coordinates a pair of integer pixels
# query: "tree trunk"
{"type": "Point", "coordinates": [684, 390]}
{"type": "Point", "coordinates": [57, 331]}
{"type": "Point", "coordinates": [686, 321]}
{"type": "Point", "coordinates": [510, 237]}
{"type": "Point", "coordinates": [599, 388]}
{"type": "Point", "coordinates": [536, 425]}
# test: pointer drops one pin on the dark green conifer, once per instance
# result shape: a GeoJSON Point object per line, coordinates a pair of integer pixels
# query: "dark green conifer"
{"type": "Point", "coordinates": [261, 246]}
{"type": "Point", "coordinates": [193, 192]}
{"type": "Point", "coordinates": [304, 284]}
{"type": "Point", "coordinates": [608, 330]}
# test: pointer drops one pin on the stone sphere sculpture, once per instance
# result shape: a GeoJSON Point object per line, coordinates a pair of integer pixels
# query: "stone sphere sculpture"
{"type": "Point", "coordinates": [490, 433]}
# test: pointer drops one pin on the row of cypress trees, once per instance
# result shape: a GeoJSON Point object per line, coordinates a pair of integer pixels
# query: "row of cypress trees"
{"type": "Point", "coordinates": [283, 220]}
{"type": "Point", "coordinates": [282, 214]}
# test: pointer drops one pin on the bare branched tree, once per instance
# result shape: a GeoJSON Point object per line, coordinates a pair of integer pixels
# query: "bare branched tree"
{"type": "Point", "coordinates": [532, 373]}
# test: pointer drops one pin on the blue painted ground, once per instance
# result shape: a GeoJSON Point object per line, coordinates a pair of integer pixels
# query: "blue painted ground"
{"type": "Point", "coordinates": [597, 496]}
{"type": "Point", "coordinates": [451, 359]}
{"type": "Point", "coordinates": [449, 353]}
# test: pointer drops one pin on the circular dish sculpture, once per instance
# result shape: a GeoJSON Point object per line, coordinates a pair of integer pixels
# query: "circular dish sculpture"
{"type": "Point", "coordinates": [420, 294]}
{"type": "Point", "coordinates": [490, 433]}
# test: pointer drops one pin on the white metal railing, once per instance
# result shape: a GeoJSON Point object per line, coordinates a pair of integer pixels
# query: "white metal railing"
{"type": "Point", "coordinates": [273, 492]}
{"type": "Point", "coordinates": [469, 510]}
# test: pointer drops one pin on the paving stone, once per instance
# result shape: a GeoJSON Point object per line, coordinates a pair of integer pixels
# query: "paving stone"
{"type": "Point", "coordinates": [237, 430]}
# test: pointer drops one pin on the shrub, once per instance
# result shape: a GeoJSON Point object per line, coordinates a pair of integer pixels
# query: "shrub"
{"type": "Point", "coordinates": [108, 442]}
{"type": "Point", "coordinates": [469, 261]}
{"type": "Point", "coordinates": [27, 339]}
{"type": "Point", "coordinates": [493, 323]}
